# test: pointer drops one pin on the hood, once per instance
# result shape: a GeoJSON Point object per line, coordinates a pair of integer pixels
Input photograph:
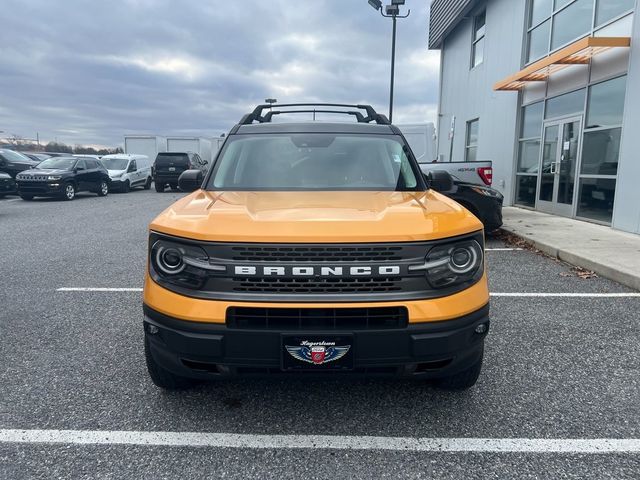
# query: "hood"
{"type": "Point", "coordinates": [44, 171]}
{"type": "Point", "coordinates": [115, 173]}
{"type": "Point", "coordinates": [307, 217]}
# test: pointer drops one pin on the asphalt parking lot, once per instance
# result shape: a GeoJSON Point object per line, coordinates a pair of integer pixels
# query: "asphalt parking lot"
{"type": "Point", "coordinates": [557, 367]}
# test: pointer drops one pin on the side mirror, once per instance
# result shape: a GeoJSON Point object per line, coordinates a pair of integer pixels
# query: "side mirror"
{"type": "Point", "coordinates": [439, 180]}
{"type": "Point", "coordinates": [190, 180]}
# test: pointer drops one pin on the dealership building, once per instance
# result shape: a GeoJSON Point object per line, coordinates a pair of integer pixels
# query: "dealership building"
{"type": "Point", "coordinates": [549, 90]}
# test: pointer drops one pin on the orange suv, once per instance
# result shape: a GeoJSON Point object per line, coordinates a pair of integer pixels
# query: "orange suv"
{"type": "Point", "coordinates": [315, 248]}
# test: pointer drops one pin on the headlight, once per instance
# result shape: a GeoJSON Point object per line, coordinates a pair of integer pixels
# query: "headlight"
{"type": "Point", "coordinates": [487, 192]}
{"type": "Point", "coordinates": [453, 264]}
{"type": "Point", "coordinates": [184, 265]}
{"type": "Point", "coordinates": [54, 177]}
{"type": "Point", "coordinates": [117, 175]}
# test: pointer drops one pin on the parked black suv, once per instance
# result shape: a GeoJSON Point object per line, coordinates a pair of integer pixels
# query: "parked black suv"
{"type": "Point", "coordinates": [14, 162]}
{"type": "Point", "coordinates": [7, 184]}
{"type": "Point", "coordinates": [169, 165]}
{"type": "Point", "coordinates": [64, 177]}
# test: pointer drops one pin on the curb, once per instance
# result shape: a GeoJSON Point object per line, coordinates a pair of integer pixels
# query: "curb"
{"type": "Point", "coordinates": [627, 279]}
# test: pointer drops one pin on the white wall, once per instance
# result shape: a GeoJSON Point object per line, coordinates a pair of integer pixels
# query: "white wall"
{"type": "Point", "coordinates": [201, 146]}
{"type": "Point", "coordinates": [626, 209]}
{"type": "Point", "coordinates": [421, 139]}
{"type": "Point", "coordinates": [468, 93]}
{"type": "Point", "coordinates": [149, 145]}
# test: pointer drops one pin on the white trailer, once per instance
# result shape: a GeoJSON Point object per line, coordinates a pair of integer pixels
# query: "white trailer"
{"type": "Point", "coordinates": [216, 144]}
{"type": "Point", "coordinates": [422, 140]}
{"type": "Point", "coordinates": [149, 145]}
{"type": "Point", "coordinates": [199, 145]}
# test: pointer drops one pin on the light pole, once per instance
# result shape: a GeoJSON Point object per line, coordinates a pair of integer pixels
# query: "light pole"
{"type": "Point", "coordinates": [391, 11]}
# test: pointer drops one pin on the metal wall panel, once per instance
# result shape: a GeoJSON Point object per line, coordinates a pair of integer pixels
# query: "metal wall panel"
{"type": "Point", "coordinates": [467, 93]}
{"type": "Point", "coordinates": [444, 16]}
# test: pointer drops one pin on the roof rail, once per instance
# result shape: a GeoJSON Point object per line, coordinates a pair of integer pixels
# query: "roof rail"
{"type": "Point", "coordinates": [358, 115]}
{"type": "Point", "coordinates": [372, 115]}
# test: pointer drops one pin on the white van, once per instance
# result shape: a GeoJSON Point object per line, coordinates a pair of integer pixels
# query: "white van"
{"type": "Point", "coordinates": [127, 171]}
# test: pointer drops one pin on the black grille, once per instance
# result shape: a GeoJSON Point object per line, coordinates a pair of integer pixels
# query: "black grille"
{"type": "Point", "coordinates": [317, 318]}
{"type": "Point", "coordinates": [317, 253]}
{"type": "Point", "coordinates": [317, 285]}
{"type": "Point", "coordinates": [315, 272]}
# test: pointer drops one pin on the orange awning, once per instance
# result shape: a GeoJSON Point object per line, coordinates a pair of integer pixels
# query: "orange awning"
{"type": "Point", "coordinates": [578, 53]}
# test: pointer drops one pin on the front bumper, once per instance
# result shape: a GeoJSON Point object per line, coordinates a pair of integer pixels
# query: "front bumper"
{"type": "Point", "coordinates": [204, 350]}
{"type": "Point", "coordinates": [7, 187]}
{"type": "Point", "coordinates": [41, 188]}
{"type": "Point", "coordinates": [116, 183]}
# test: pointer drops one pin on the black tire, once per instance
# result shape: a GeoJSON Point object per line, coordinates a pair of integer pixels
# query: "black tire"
{"type": "Point", "coordinates": [103, 189]}
{"type": "Point", "coordinates": [462, 380]}
{"type": "Point", "coordinates": [163, 378]}
{"type": "Point", "coordinates": [147, 184]}
{"type": "Point", "coordinates": [68, 192]}
{"type": "Point", "coordinates": [159, 187]}
{"type": "Point", "coordinates": [126, 186]}
{"type": "Point", "coordinates": [26, 197]}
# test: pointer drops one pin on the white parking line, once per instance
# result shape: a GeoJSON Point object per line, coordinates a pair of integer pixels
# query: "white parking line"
{"type": "Point", "coordinates": [231, 440]}
{"type": "Point", "coordinates": [566, 294]}
{"type": "Point", "coordinates": [503, 249]}
{"type": "Point", "coordinates": [97, 289]}
{"type": "Point", "coordinates": [493, 294]}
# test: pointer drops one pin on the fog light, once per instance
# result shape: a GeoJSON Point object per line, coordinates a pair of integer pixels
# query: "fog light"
{"type": "Point", "coordinates": [152, 329]}
{"type": "Point", "coordinates": [482, 328]}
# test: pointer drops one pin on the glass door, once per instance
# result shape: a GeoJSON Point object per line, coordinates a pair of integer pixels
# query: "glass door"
{"type": "Point", "coordinates": [558, 167]}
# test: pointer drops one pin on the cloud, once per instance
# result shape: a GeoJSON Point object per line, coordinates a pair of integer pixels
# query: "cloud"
{"type": "Point", "coordinates": [90, 72]}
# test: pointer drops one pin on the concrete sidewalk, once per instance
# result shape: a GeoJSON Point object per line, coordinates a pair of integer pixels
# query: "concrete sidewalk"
{"type": "Point", "coordinates": [609, 253]}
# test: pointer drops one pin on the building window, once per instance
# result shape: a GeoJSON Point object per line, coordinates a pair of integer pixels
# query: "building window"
{"type": "Point", "coordinates": [529, 154]}
{"type": "Point", "coordinates": [566, 104]}
{"type": "Point", "coordinates": [572, 22]}
{"type": "Point", "coordinates": [471, 143]}
{"type": "Point", "coordinates": [610, 9]}
{"type": "Point", "coordinates": [601, 149]}
{"type": "Point", "coordinates": [556, 23]}
{"type": "Point", "coordinates": [477, 48]}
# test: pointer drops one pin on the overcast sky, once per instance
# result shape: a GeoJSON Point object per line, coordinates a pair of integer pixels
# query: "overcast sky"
{"type": "Point", "coordinates": [90, 71]}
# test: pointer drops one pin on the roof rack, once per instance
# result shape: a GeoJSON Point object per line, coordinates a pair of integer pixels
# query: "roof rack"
{"type": "Point", "coordinates": [372, 115]}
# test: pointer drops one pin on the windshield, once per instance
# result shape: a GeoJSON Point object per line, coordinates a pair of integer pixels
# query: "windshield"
{"type": "Point", "coordinates": [314, 162]}
{"type": "Point", "coordinates": [15, 156]}
{"type": "Point", "coordinates": [115, 163]}
{"type": "Point", "coordinates": [58, 163]}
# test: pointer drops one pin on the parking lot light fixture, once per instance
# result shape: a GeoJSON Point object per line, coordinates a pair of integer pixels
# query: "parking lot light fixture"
{"type": "Point", "coordinates": [393, 12]}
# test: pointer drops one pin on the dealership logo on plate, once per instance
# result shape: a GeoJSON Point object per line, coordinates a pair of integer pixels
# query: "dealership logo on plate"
{"type": "Point", "coordinates": [317, 353]}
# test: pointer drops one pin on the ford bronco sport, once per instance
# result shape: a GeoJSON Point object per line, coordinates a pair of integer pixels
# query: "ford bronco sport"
{"type": "Point", "coordinates": [315, 248]}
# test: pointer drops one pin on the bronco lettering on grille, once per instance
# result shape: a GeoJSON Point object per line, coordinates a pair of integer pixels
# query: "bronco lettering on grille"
{"type": "Point", "coordinates": [356, 271]}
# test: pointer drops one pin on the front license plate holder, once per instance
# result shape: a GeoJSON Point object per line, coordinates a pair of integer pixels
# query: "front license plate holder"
{"type": "Point", "coordinates": [317, 353]}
